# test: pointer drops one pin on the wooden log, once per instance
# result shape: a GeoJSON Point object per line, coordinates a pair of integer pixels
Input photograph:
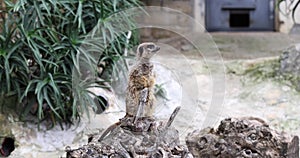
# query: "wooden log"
{"type": "Point", "coordinates": [293, 148]}
{"type": "Point", "coordinates": [246, 137]}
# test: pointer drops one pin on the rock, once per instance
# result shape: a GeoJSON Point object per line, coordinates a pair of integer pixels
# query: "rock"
{"type": "Point", "coordinates": [5, 128]}
{"type": "Point", "coordinates": [295, 30]}
{"type": "Point", "coordinates": [7, 140]}
{"type": "Point", "coordinates": [146, 138]}
{"type": "Point", "coordinates": [290, 61]}
{"type": "Point", "coordinates": [290, 65]}
{"type": "Point", "coordinates": [242, 138]}
{"type": "Point", "coordinates": [105, 101]}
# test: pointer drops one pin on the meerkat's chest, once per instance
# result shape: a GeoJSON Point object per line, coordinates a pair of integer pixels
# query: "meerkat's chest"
{"type": "Point", "coordinates": [143, 70]}
{"type": "Point", "coordinates": [141, 76]}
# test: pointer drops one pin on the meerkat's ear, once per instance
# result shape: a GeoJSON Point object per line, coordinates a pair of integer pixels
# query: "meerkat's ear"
{"type": "Point", "coordinates": [140, 51]}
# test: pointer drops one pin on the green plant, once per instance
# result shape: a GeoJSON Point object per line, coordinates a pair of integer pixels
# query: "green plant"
{"type": "Point", "coordinates": [13, 66]}
{"type": "Point", "coordinates": [160, 91]}
{"type": "Point", "coordinates": [43, 46]}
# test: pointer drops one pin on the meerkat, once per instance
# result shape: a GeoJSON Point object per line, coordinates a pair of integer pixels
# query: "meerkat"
{"type": "Point", "coordinates": [140, 85]}
{"type": "Point", "coordinates": [141, 82]}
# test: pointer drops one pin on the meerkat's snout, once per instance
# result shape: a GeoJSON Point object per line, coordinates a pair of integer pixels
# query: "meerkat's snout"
{"type": "Point", "coordinates": [157, 49]}
{"type": "Point", "coordinates": [153, 48]}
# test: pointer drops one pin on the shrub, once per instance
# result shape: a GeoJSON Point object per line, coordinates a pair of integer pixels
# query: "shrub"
{"type": "Point", "coordinates": [41, 48]}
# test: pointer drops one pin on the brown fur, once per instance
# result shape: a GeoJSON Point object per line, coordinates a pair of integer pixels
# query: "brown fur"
{"type": "Point", "coordinates": [141, 76]}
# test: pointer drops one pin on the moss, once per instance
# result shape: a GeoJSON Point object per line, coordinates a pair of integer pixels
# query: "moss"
{"type": "Point", "coordinates": [260, 68]}
{"type": "Point", "coordinates": [262, 71]}
{"type": "Point", "coordinates": [254, 71]}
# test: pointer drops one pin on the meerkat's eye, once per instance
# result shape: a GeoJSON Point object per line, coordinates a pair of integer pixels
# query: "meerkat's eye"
{"type": "Point", "coordinates": [150, 46]}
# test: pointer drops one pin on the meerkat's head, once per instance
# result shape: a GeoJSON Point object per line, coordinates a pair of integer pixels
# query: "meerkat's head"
{"type": "Point", "coordinates": [146, 50]}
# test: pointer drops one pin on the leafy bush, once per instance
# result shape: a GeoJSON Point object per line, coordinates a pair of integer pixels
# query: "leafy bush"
{"type": "Point", "coordinates": [41, 48]}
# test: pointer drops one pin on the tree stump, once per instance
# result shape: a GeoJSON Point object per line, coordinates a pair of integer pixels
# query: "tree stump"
{"type": "Point", "coordinates": [242, 138]}
{"type": "Point", "coordinates": [146, 138]}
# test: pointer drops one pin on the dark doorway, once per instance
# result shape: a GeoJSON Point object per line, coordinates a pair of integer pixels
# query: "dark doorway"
{"type": "Point", "coordinates": [241, 15]}
{"type": "Point", "coordinates": [239, 19]}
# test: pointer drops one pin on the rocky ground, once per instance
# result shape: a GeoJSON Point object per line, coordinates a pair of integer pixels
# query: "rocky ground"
{"type": "Point", "coordinates": [195, 83]}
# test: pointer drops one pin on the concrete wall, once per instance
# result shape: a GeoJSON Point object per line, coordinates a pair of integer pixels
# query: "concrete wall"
{"type": "Point", "coordinates": [196, 9]}
{"type": "Point", "coordinates": [169, 20]}
{"type": "Point", "coordinates": [285, 17]}
{"type": "Point", "coordinates": [185, 6]}
{"type": "Point", "coordinates": [199, 11]}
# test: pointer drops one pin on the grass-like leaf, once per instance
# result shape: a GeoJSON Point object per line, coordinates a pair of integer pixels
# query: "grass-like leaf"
{"type": "Point", "coordinates": [50, 49]}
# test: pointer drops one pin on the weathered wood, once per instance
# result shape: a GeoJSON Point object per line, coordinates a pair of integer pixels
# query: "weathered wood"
{"type": "Point", "coordinates": [172, 117]}
{"type": "Point", "coordinates": [242, 138]}
{"type": "Point", "coordinates": [144, 139]}
{"type": "Point", "coordinates": [293, 148]}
